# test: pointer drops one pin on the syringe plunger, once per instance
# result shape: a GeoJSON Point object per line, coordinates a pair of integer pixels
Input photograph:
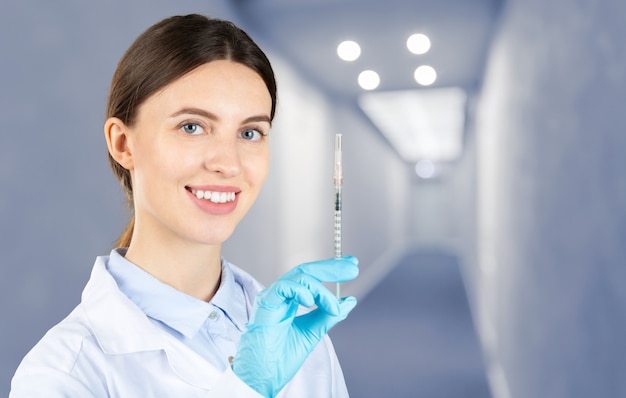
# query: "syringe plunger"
{"type": "Point", "coordinates": [338, 174]}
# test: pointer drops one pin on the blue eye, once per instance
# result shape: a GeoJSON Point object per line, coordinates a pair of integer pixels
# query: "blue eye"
{"type": "Point", "coordinates": [192, 128]}
{"type": "Point", "coordinates": [251, 135]}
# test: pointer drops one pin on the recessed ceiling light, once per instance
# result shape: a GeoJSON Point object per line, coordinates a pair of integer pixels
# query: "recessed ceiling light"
{"type": "Point", "coordinates": [369, 80]}
{"type": "Point", "coordinates": [349, 50]}
{"type": "Point", "coordinates": [418, 43]}
{"type": "Point", "coordinates": [425, 168]}
{"type": "Point", "coordinates": [425, 75]}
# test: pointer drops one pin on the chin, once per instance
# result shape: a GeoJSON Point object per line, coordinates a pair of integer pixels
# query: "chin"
{"type": "Point", "coordinates": [213, 238]}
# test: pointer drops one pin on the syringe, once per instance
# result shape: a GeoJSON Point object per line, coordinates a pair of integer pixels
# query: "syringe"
{"type": "Point", "coordinates": [338, 181]}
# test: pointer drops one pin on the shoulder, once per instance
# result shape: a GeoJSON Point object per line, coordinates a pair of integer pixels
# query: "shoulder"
{"type": "Point", "coordinates": [319, 376]}
{"type": "Point", "coordinates": [247, 281]}
{"type": "Point", "coordinates": [62, 344]}
{"type": "Point", "coordinates": [48, 370]}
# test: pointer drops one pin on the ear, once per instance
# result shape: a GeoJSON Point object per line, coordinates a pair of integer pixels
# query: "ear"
{"type": "Point", "coordinates": [118, 142]}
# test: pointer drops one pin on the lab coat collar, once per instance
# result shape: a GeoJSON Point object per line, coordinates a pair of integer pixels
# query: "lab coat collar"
{"type": "Point", "coordinates": [118, 324]}
{"type": "Point", "coordinates": [120, 327]}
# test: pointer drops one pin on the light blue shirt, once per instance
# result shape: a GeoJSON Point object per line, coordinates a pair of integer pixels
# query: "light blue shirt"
{"type": "Point", "coordinates": [211, 329]}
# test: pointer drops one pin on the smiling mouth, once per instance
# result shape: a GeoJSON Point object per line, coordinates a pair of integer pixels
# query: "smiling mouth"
{"type": "Point", "coordinates": [212, 196]}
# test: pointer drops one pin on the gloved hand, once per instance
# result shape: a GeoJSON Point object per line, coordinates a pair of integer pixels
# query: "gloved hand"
{"type": "Point", "coordinates": [277, 341]}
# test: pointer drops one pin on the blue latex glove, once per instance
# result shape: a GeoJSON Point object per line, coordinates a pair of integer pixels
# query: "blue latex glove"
{"type": "Point", "coordinates": [277, 341]}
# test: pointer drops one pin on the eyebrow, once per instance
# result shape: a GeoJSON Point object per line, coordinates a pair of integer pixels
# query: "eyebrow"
{"type": "Point", "coordinates": [209, 115]}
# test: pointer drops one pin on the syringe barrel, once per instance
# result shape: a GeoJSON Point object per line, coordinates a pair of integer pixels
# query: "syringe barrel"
{"type": "Point", "coordinates": [337, 225]}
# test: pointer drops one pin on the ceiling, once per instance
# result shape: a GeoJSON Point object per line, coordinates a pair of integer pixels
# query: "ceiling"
{"type": "Point", "coordinates": [422, 125]}
{"type": "Point", "coordinates": [307, 32]}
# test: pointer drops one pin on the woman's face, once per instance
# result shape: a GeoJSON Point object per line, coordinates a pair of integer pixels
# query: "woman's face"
{"type": "Point", "coordinates": [200, 153]}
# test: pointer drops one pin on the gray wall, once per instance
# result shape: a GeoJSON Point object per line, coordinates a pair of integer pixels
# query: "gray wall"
{"type": "Point", "coordinates": [550, 274]}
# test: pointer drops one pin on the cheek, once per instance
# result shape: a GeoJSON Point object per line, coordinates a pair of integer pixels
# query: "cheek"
{"type": "Point", "coordinates": [161, 162]}
{"type": "Point", "coordinates": [257, 168]}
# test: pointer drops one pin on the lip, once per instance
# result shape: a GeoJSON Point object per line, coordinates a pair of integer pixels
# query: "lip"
{"type": "Point", "coordinates": [210, 207]}
{"type": "Point", "coordinates": [214, 188]}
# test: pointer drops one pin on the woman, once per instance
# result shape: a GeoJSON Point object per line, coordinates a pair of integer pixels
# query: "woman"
{"type": "Point", "coordinates": [187, 129]}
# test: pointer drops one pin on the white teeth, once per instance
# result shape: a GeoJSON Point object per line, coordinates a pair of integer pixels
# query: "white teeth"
{"type": "Point", "coordinates": [215, 197]}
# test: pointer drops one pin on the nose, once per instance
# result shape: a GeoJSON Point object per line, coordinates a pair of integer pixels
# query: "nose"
{"type": "Point", "coordinates": [223, 157]}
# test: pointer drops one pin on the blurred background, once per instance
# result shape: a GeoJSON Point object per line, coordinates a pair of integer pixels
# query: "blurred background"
{"type": "Point", "coordinates": [484, 180]}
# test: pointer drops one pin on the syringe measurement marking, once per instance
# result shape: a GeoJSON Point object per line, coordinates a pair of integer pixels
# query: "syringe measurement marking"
{"type": "Point", "coordinates": [338, 182]}
{"type": "Point", "coordinates": [338, 251]}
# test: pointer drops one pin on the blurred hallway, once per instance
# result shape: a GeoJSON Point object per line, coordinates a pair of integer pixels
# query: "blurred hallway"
{"type": "Point", "coordinates": [412, 335]}
{"type": "Point", "coordinates": [535, 208]}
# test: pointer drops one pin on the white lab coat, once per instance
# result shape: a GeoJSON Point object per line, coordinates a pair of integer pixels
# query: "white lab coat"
{"type": "Point", "coordinates": [107, 347]}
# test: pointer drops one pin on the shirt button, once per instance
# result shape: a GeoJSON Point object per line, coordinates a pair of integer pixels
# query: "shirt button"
{"type": "Point", "coordinates": [213, 315]}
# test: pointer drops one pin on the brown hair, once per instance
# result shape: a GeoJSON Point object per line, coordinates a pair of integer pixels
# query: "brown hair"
{"type": "Point", "coordinates": [163, 53]}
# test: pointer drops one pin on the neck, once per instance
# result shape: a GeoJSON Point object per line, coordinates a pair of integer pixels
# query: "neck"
{"type": "Point", "coordinates": [192, 268]}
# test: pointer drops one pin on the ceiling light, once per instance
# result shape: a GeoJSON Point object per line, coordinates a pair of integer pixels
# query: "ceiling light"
{"type": "Point", "coordinates": [369, 80]}
{"type": "Point", "coordinates": [425, 75]}
{"type": "Point", "coordinates": [348, 50]}
{"type": "Point", "coordinates": [418, 43]}
{"type": "Point", "coordinates": [425, 169]}
{"type": "Point", "coordinates": [419, 124]}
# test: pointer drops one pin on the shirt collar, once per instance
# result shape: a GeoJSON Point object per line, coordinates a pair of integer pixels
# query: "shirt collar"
{"type": "Point", "coordinates": [230, 298]}
{"type": "Point", "coordinates": [177, 310]}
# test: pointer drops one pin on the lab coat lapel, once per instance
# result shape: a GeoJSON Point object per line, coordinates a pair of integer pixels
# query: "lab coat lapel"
{"type": "Point", "coordinates": [120, 327]}
{"type": "Point", "coordinates": [118, 324]}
